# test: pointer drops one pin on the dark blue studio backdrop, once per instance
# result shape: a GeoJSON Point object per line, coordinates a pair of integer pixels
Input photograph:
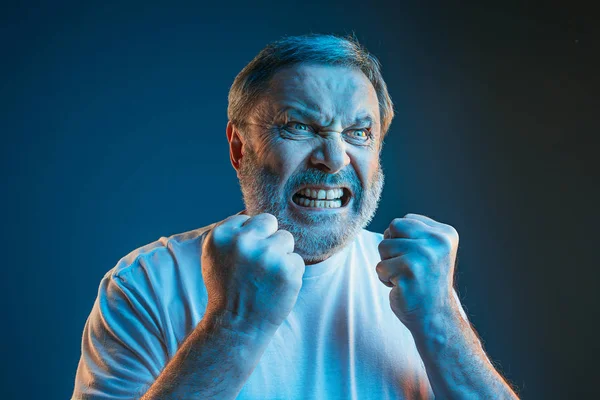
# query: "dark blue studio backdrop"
{"type": "Point", "coordinates": [113, 134]}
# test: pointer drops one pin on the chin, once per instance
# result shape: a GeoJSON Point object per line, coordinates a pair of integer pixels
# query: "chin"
{"type": "Point", "coordinates": [313, 247]}
{"type": "Point", "coordinates": [310, 259]}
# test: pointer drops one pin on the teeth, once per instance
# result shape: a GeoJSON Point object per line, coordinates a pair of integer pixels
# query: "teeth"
{"type": "Point", "coordinates": [319, 203]}
{"type": "Point", "coordinates": [319, 198]}
{"type": "Point", "coordinates": [322, 194]}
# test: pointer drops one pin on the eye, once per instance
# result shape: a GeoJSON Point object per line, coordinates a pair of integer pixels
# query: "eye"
{"type": "Point", "coordinates": [363, 134]}
{"type": "Point", "coordinates": [298, 129]}
{"type": "Point", "coordinates": [298, 126]}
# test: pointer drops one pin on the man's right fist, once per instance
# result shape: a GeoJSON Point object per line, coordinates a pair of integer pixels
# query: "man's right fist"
{"type": "Point", "coordinates": [251, 272]}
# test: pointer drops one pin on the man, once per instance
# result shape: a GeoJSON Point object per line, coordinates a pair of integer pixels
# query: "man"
{"type": "Point", "coordinates": [291, 298]}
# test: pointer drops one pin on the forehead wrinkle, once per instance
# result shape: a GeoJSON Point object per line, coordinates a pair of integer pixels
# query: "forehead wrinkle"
{"type": "Point", "coordinates": [312, 112]}
{"type": "Point", "coordinates": [336, 95]}
{"type": "Point", "coordinates": [359, 117]}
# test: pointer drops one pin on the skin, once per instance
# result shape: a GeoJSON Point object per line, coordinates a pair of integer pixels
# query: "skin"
{"type": "Point", "coordinates": [253, 264]}
{"type": "Point", "coordinates": [418, 260]}
{"type": "Point", "coordinates": [318, 126]}
{"type": "Point", "coordinates": [418, 253]}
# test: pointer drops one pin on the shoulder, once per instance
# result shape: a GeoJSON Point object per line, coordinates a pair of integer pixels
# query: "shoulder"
{"type": "Point", "coordinates": [162, 255]}
{"type": "Point", "coordinates": [161, 283]}
{"type": "Point", "coordinates": [163, 277]}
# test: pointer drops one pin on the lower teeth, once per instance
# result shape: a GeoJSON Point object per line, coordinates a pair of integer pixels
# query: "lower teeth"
{"type": "Point", "coordinates": [303, 201]}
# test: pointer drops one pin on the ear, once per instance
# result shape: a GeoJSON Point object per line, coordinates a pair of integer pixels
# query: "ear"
{"type": "Point", "coordinates": [236, 145]}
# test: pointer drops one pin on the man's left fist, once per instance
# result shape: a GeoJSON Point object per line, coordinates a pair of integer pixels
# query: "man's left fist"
{"type": "Point", "coordinates": [417, 262]}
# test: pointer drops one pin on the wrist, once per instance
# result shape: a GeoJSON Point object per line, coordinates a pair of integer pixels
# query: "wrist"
{"type": "Point", "coordinates": [226, 322]}
{"type": "Point", "coordinates": [434, 331]}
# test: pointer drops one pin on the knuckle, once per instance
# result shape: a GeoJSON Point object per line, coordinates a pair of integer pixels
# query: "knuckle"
{"type": "Point", "coordinates": [233, 222]}
{"type": "Point", "coordinates": [438, 250]}
{"type": "Point", "coordinates": [382, 245]}
{"type": "Point", "coordinates": [219, 236]}
{"type": "Point", "coordinates": [396, 222]}
{"type": "Point", "coordinates": [294, 263]}
{"type": "Point", "coordinates": [238, 219]}
{"type": "Point", "coordinates": [297, 261]}
{"type": "Point", "coordinates": [453, 233]}
{"type": "Point", "coordinates": [446, 244]}
{"type": "Point", "coordinates": [414, 259]}
{"type": "Point", "coordinates": [409, 268]}
{"type": "Point", "coordinates": [425, 254]}
{"type": "Point", "coordinates": [245, 245]}
{"type": "Point", "coordinates": [271, 254]}
{"type": "Point", "coordinates": [441, 239]}
{"type": "Point", "coordinates": [288, 235]}
{"type": "Point", "coordinates": [268, 218]}
{"type": "Point", "coordinates": [380, 268]}
{"type": "Point", "coordinates": [290, 269]}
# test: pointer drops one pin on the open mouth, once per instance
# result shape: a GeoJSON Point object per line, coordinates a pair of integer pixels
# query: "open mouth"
{"type": "Point", "coordinates": [322, 197]}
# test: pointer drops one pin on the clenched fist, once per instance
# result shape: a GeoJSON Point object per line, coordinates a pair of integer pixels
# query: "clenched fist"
{"type": "Point", "coordinates": [251, 271]}
{"type": "Point", "coordinates": [417, 262]}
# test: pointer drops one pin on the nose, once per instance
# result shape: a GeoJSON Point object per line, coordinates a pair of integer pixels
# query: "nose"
{"type": "Point", "coordinates": [330, 156]}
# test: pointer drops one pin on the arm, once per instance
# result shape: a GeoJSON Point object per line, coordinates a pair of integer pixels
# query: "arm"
{"type": "Point", "coordinates": [123, 353]}
{"type": "Point", "coordinates": [252, 278]}
{"type": "Point", "coordinates": [456, 364]}
{"type": "Point", "coordinates": [214, 361]}
{"type": "Point", "coordinates": [417, 261]}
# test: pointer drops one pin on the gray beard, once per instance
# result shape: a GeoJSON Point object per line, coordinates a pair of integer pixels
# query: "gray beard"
{"type": "Point", "coordinates": [325, 234]}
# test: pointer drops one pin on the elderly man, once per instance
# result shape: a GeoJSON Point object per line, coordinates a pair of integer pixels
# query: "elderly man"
{"type": "Point", "coordinates": [292, 298]}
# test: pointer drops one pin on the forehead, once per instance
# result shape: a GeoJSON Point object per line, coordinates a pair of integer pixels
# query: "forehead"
{"type": "Point", "coordinates": [332, 92]}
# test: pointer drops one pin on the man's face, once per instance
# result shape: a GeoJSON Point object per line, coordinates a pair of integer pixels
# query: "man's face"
{"type": "Point", "coordinates": [315, 133]}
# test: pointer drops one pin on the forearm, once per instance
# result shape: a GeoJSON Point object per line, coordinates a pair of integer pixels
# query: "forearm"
{"type": "Point", "coordinates": [214, 362]}
{"type": "Point", "coordinates": [456, 364]}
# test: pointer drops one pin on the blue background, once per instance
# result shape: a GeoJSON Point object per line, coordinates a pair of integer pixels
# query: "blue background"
{"type": "Point", "coordinates": [113, 134]}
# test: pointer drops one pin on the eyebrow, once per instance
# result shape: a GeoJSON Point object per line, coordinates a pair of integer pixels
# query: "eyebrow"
{"type": "Point", "coordinates": [316, 114]}
{"type": "Point", "coordinates": [365, 120]}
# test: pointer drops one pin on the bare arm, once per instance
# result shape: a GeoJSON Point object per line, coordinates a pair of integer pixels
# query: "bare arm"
{"type": "Point", "coordinates": [214, 361]}
{"type": "Point", "coordinates": [252, 278]}
{"type": "Point", "coordinates": [418, 257]}
{"type": "Point", "coordinates": [456, 364]}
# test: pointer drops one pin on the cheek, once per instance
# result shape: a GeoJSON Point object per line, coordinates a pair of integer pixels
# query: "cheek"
{"type": "Point", "coordinates": [366, 166]}
{"type": "Point", "coordinates": [374, 169]}
{"type": "Point", "coordinates": [285, 158]}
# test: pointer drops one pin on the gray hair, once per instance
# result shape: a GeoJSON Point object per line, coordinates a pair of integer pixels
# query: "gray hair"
{"type": "Point", "coordinates": [254, 79]}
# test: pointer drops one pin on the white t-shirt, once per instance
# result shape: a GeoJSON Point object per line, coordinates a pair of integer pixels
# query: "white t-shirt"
{"type": "Point", "coordinates": [340, 341]}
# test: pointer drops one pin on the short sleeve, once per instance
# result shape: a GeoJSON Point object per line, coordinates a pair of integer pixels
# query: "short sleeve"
{"type": "Point", "coordinates": [122, 351]}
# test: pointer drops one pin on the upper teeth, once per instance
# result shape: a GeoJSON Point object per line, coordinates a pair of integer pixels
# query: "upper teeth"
{"type": "Point", "coordinates": [322, 194]}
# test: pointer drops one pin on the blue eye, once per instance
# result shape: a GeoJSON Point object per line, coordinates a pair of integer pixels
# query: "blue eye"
{"type": "Point", "coordinates": [361, 134]}
{"type": "Point", "coordinates": [300, 127]}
